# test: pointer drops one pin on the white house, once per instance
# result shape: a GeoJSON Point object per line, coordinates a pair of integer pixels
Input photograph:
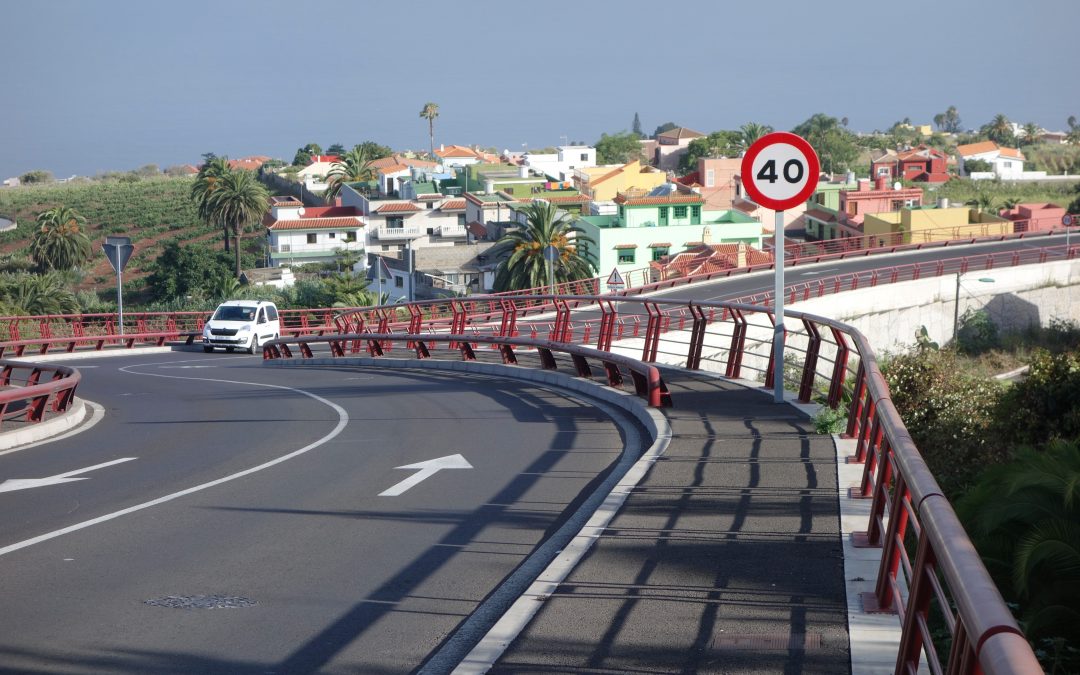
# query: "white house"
{"type": "Point", "coordinates": [314, 174]}
{"type": "Point", "coordinates": [1006, 162]}
{"type": "Point", "coordinates": [560, 166]}
{"type": "Point", "coordinates": [302, 234]}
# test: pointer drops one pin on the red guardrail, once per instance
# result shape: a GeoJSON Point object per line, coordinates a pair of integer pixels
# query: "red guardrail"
{"type": "Point", "coordinates": [944, 581]}
{"type": "Point", "coordinates": [28, 391]}
{"type": "Point", "coordinates": [646, 378]}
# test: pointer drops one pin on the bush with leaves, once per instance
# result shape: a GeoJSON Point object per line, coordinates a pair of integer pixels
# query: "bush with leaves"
{"type": "Point", "coordinates": [976, 333]}
{"type": "Point", "coordinates": [948, 413]}
{"type": "Point", "coordinates": [1045, 405]}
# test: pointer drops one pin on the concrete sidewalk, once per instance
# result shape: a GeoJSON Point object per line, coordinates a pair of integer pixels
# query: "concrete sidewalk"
{"type": "Point", "coordinates": [727, 557]}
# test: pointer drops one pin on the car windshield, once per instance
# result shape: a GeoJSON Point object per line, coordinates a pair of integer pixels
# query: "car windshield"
{"type": "Point", "coordinates": [234, 313]}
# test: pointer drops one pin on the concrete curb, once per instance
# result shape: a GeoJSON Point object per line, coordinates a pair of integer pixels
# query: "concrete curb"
{"type": "Point", "coordinates": [33, 433]}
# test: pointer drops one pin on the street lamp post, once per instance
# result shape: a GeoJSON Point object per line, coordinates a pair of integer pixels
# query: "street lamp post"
{"type": "Point", "coordinates": [956, 304]}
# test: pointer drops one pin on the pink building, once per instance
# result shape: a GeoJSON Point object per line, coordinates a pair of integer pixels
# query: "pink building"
{"type": "Point", "coordinates": [855, 204]}
{"type": "Point", "coordinates": [715, 180]}
{"type": "Point", "coordinates": [1034, 217]}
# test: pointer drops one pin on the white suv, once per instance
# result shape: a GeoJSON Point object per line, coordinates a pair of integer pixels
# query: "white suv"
{"type": "Point", "coordinates": [241, 323]}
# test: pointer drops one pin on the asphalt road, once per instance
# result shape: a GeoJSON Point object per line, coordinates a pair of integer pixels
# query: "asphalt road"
{"type": "Point", "coordinates": [248, 534]}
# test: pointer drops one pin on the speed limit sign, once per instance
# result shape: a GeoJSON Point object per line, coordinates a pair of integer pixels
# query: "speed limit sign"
{"type": "Point", "coordinates": [780, 170]}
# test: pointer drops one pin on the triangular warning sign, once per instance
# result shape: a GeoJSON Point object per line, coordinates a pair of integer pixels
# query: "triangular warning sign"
{"type": "Point", "coordinates": [615, 279]}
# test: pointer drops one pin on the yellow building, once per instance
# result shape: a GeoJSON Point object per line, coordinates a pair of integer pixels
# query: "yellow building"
{"type": "Point", "coordinates": [931, 223]}
{"type": "Point", "coordinates": [925, 130]}
{"type": "Point", "coordinates": [603, 183]}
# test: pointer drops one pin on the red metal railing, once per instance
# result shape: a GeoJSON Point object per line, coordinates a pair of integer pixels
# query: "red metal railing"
{"type": "Point", "coordinates": [28, 391]}
{"type": "Point", "coordinates": [646, 377]}
{"type": "Point", "coordinates": [945, 579]}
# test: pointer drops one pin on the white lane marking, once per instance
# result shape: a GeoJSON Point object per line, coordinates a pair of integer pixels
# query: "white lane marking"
{"type": "Point", "coordinates": [13, 484]}
{"type": "Point", "coordinates": [97, 414]}
{"type": "Point", "coordinates": [343, 419]}
{"type": "Point", "coordinates": [425, 470]}
{"type": "Point", "coordinates": [831, 269]}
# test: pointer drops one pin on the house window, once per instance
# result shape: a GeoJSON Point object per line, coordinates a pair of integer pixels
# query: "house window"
{"type": "Point", "coordinates": [509, 190]}
{"type": "Point", "coordinates": [461, 219]}
{"type": "Point", "coordinates": [680, 211]}
{"type": "Point", "coordinates": [430, 231]}
{"type": "Point", "coordinates": [350, 236]}
{"type": "Point", "coordinates": [331, 235]}
{"type": "Point", "coordinates": [397, 222]}
{"type": "Point", "coordinates": [430, 205]}
{"type": "Point", "coordinates": [584, 156]}
{"type": "Point", "coordinates": [883, 171]}
{"type": "Point", "coordinates": [695, 215]}
{"type": "Point", "coordinates": [1007, 165]}
{"type": "Point", "coordinates": [399, 281]}
{"type": "Point", "coordinates": [386, 247]}
{"type": "Point", "coordinates": [659, 252]}
{"type": "Point", "coordinates": [626, 256]}
{"type": "Point", "coordinates": [710, 178]}
{"type": "Point", "coordinates": [312, 237]}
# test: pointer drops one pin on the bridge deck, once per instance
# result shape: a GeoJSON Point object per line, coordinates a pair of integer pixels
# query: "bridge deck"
{"type": "Point", "coordinates": [726, 558]}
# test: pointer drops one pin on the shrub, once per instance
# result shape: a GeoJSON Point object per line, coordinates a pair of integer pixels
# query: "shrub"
{"type": "Point", "coordinates": [948, 413]}
{"type": "Point", "coordinates": [1045, 405]}
{"type": "Point", "coordinates": [976, 332]}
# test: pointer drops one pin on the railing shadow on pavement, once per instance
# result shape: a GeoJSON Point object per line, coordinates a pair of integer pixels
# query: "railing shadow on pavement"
{"type": "Point", "coordinates": [930, 573]}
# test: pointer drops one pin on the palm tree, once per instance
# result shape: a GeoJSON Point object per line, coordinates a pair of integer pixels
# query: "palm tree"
{"type": "Point", "coordinates": [751, 131]}
{"type": "Point", "coordinates": [1031, 133]}
{"type": "Point", "coordinates": [353, 166]}
{"type": "Point", "coordinates": [210, 173]}
{"type": "Point", "coordinates": [1025, 520]}
{"type": "Point", "coordinates": [60, 242]}
{"type": "Point", "coordinates": [999, 129]}
{"type": "Point", "coordinates": [239, 200]}
{"type": "Point", "coordinates": [430, 112]}
{"type": "Point", "coordinates": [33, 294]}
{"type": "Point", "coordinates": [524, 265]}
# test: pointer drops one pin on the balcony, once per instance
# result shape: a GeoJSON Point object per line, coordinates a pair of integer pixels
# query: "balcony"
{"type": "Point", "coordinates": [406, 232]}
{"type": "Point", "coordinates": [454, 230]}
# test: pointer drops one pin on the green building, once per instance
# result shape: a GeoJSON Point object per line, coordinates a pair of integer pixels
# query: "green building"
{"type": "Point", "coordinates": [649, 226]}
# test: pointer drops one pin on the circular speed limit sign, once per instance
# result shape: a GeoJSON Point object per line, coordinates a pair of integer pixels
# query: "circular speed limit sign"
{"type": "Point", "coordinates": [780, 170]}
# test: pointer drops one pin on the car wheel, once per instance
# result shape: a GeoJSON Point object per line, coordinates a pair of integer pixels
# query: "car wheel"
{"type": "Point", "coordinates": [254, 344]}
{"type": "Point", "coordinates": [207, 348]}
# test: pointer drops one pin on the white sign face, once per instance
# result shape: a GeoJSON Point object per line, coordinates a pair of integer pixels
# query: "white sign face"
{"type": "Point", "coordinates": [780, 170]}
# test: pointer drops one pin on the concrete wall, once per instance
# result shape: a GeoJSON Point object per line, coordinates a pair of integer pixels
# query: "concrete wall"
{"type": "Point", "coordinates": [1015, 297]}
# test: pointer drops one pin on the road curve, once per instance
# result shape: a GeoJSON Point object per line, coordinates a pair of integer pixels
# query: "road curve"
{"type": "Point", "coordinates": [248, 534]}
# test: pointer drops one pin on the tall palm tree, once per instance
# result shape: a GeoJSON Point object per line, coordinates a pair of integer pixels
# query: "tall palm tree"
{"type": "Point", "coordinates": [999, 129]}
{"type": "Point", "coordinates": [524, 265]}
{"type": "Point", "coordinates": [751, 131]}
{"type": "Point", "coordinates": [429, 112]}
{"type": "Point", "coordinates": [239, 200]}
{"type": "Point", "coordinates": [60, 242]}
{"type": "Point", "coordinates": [351, 167]}
{"type": "Point", "coordinates": [210, 173]}
{"type": "Point", "coordinates": [1031, 133]}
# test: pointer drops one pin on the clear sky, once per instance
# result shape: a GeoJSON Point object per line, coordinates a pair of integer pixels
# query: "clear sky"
{"type": "Point", "coordinates": [115, 84]}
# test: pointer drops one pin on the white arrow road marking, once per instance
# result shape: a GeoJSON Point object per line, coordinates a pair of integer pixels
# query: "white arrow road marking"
{"type": "Point", "coordinates": [26, 483]}
{"type": "Point", "coordinates": [426, 470]}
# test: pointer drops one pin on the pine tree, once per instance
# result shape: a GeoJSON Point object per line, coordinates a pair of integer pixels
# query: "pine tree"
{"type": "Point", "coordinates": [637, 126]}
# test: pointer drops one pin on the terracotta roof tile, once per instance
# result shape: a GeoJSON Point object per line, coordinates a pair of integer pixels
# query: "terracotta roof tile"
{"type": "Point", "coordinates": [398, 207]}
{"type": "Point", "coordinates": [1011, 152]}
{"type": "Point", "coordinates": [316, 224]}
{"type": "Point", "coordinates": [823, 216]}
{"type": "Point", "coordinates": [625, 246]}
{"type": "Point", "coordinates": [453, 205]}
{"type": "Point", "coordinates": [477, 229]}
{"type": "Point", "coordinates": [660, 244]}
{"type": "Point", "coordinates": [976, 148]}
{"type": "Point", "coordinates": [666, 199]}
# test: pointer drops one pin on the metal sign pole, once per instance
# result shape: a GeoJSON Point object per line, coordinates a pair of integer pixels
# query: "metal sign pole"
{"type": "Point", "coordinates": [778, 309]}
{"type": "Point", "coordinates": [120, 299]}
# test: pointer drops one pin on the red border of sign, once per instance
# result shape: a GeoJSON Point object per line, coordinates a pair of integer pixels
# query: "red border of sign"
{"type": "Point", "coordinates": [1067, 220]}
{"type": "Point", "coordinates": [787, 138]}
